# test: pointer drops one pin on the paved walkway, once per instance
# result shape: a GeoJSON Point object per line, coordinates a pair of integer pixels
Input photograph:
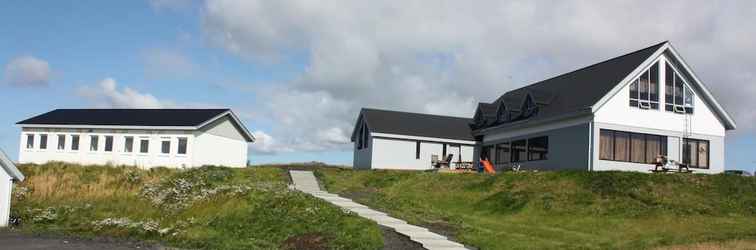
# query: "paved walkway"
{"type": "Point", "coordinates": [305, 181]}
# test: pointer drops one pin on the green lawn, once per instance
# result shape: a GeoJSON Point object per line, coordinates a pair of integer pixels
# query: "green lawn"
{"type": "Point", "coordinates": [206, 208]}
{"type": "Point", "coordinates": [561, 210]}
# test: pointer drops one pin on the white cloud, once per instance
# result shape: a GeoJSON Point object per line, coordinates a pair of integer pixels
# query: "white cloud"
{"type": "Point", "coordinates": [27, 71]}
{"type": "Point", "coordinates": [107, 95]}
{"type": "Point", "coordinates": [443, 57]}
{"type": "Point", "coordinates": [168, 63]}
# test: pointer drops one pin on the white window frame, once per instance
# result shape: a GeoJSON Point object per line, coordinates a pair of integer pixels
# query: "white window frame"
{"type": "Point", "coordinates": [78, 142]}
{"type": "Point", "coordinates": [29, 143]}
{"type": "Point", "coordinates": [140, 145]}
{"type": "Point", "coordinates": [162, 141]}
{"type": "Point", "coordinates": [125, 144]}
{"type": "Point", "coordinates": [94, 143]}
{"type": "Point", "coordinates": [679, 109]}
{"type": "Point", "coordinates": [178, 146]}
{"type": "Point", "coordinates": [58, 145]}
{"type": "Point", "coordinates": [46, 141]}
{"type": "Point", "coordinates": [646, 104]}
{"type": "Point", "coordinates": [105, 144]}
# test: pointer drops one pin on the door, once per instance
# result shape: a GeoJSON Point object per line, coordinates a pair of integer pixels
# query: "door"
{"type": "Point", "coordinates": [673, 148]}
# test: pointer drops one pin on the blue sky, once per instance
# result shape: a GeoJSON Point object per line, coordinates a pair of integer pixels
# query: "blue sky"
{"type": "Point", "coordinates": [298, 72]}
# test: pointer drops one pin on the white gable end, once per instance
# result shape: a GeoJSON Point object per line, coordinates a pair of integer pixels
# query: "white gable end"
{"type": "Point", "coordinates": [617, 110]}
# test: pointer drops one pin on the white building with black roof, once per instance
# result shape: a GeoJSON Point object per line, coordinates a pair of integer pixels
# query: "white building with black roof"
{"type": "Point", "coordinates": [619, 114]}
{"type": "Point", "coordinates": [138, 137]}
{"type": "Point", "coordinates": [400, 140]}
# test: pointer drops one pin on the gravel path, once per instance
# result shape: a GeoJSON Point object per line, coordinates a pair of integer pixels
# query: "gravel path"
{"type": "Point", "coordinates": [17, 241]}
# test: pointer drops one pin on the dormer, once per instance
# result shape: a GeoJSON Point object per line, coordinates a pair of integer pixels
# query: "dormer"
{"type": "Point", "coordinates": [529, 107]}
{"type": "Point", "coordinates": [502, 113]}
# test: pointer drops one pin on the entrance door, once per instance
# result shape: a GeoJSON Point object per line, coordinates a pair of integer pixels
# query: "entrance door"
{"type": "Point", "coordinates": [673, 148]}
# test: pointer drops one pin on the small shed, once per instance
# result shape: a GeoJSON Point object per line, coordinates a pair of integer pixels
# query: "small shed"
{"type": "Point", "coordinates": [8, 174]}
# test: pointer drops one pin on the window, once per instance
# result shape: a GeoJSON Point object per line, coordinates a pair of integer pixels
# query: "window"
{"type": "Point", "coordinates": [93, 141]}
{"type": "Point", "coordinates": [529, 107]}
{"type": "Point", "coordinates": [519, 151]}
{"type": "Point", "coordinates": [644, 91]}
{"type": "Point", "coordinates": [631, 147]}
{"type": "Point", "coordinates": [365, 137]}
{"type": "Point", "coordinates": [75, 142]}
{"type": "Point", "coordinates": [43, 141]}
{"type": "Point", "coordinates": [61, 142]}
{"type": "Point", "coordinates": [128, 144]}
{"type": "Point", "coordinates": [417, 150]}
{"type": "Point", "coordinates": [696, 153]}
{"type": "Point", "coordinates": [637, 148]}
{"type": "Point", "coordinates": [679, 96]}
{"type": "Point", "coordinates": [443, 151]}
{"type": "Point", "coordinates": [538, 148]}
{"type": "Point", "coordinates": [144, 146]}
{"type": "Point", "coordinates": [182, 144]}
{"type": "Point", "coordinates": [165, 146]}
{"type": "Point", "coordinates": [502, 113]}
{"type": "Point", "coordinates": [503, 153]}
{"type": "Point", "coordinates": [359, 137]}
{"type": "Point", "coordinates": [29, 141]}
{"type": "Point", "coordinates": [606, 142]}
{"type": "Point", "coordinates": [108, 143]}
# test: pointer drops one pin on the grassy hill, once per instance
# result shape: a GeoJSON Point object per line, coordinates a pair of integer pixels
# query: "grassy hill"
{"type": "Point", "coordinates": [563, 210]}
{"type": "Point", "coordinates": [207, 208]}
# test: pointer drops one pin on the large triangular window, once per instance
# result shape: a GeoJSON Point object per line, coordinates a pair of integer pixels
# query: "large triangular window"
{"type": "Point", "coordinates": [678, 97]}
{"type": "Point", "coordinates": [644, 91]}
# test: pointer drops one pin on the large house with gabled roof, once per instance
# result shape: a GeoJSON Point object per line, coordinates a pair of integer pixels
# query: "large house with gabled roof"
{"type": "Point", "coordinates": [136, 137]}
{"type": "Point", "coordinates": [619, 114]}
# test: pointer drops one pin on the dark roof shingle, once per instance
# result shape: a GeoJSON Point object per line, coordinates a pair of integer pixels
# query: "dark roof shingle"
{"type": "Point", "coordinates": [125, 117]}
{"type": "Point", "coordinates": [415, 124]}
{"type": "Point", "coordinates": [577, 90]}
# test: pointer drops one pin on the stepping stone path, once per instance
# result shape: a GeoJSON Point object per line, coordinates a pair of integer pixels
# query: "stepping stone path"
{"type": "Point", "coordinates": [305, 181]}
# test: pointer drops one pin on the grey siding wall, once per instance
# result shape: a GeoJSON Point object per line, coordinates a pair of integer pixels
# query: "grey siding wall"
{"type": "Point", "coordinates": [363, 158]}
{"type": "Point", "coordinates": [568, 148]}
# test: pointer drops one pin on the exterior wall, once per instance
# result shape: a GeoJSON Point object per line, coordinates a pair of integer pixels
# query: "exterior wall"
{"type": "Point", "coordinates": [6, 185]}
{"type": "Point", "coordinates": [363, 157]}
{"type": "Point", "coordinates": [117, 157]}
{"type": "Point", "coordinates": [674, 150]}
{"type": "Point", "coordinates": [220, 143]}
{"type": "Point", "coordinates": [396, 153]}
{"type": "Point", "coordinates": [208, 146]}
{"type": "Point", "coordinates": [568, 146]}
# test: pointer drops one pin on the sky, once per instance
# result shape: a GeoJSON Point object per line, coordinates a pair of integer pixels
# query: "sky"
{"type": "Point", "coordinates": [297, 72]}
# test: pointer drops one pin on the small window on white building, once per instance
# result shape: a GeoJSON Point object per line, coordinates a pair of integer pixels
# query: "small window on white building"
{"type": "Point", "coordinates": [75, 142]}
{"type": "Point", "coordinates": [61, 142]}
{"type": "Point", "coordinates": [43, 141]}
{"type": "Point", "coordinates": [29, 141]}
{"type": "Point", "coordinates": [128, 144]}
{"type": "Point", "coordinates": [94, 140]}
{"type": "Point", "coordinates": [165, 146]}
{"type": "Point", "coordinates": [182, 145]}
{"type": "Point", "coordinates": [144, 146]}
{"type": "Point", "coordinates": [108, 143]}
{"type": "Point", "coordinates": [644, 91]}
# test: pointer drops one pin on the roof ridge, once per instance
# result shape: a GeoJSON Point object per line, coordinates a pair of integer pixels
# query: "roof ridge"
{"type": "Point", "coordinates": [415, 113]}
{"type": "Point", "coordinates": [583, 68]}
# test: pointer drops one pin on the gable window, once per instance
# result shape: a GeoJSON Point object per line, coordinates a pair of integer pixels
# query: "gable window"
{"type": "Point", "coordinates": [108, 143]}
{"type": "Point", "coordinates": [182, 145]}
{"type": "Point", "coordinates": [75, 142]}
{"type": "Point", "coordinates": [43, 141]}
{"type": "Point", "coordinates": [696, 153]}
{"type": "Point", "coordinates": [678, 97]}
{"type": "Point", "coordinates": [61, 142]}
{"type": "Point", "coordinates": [29, 141]}
{"type": "Point", "coordinates": [128, 144]}
{"type": "Point", "coordinates": [365, 137]}
{"type": "Point", "coordinates": [501, 113]}
{"type": "Point", "coordinates": [529, 107]}
{"type": "Point", "coordinates": [360, 142]}
{"type": "Point", "coordinates": [644, 91]}
{"type": "Point", "coordinates": [538, 148]}
{"type": "Point", "coordinates": [93, 141]}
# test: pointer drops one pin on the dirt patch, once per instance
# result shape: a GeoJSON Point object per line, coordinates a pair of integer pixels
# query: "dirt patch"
{"type": "Point", "coordinates": [306, 241]}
